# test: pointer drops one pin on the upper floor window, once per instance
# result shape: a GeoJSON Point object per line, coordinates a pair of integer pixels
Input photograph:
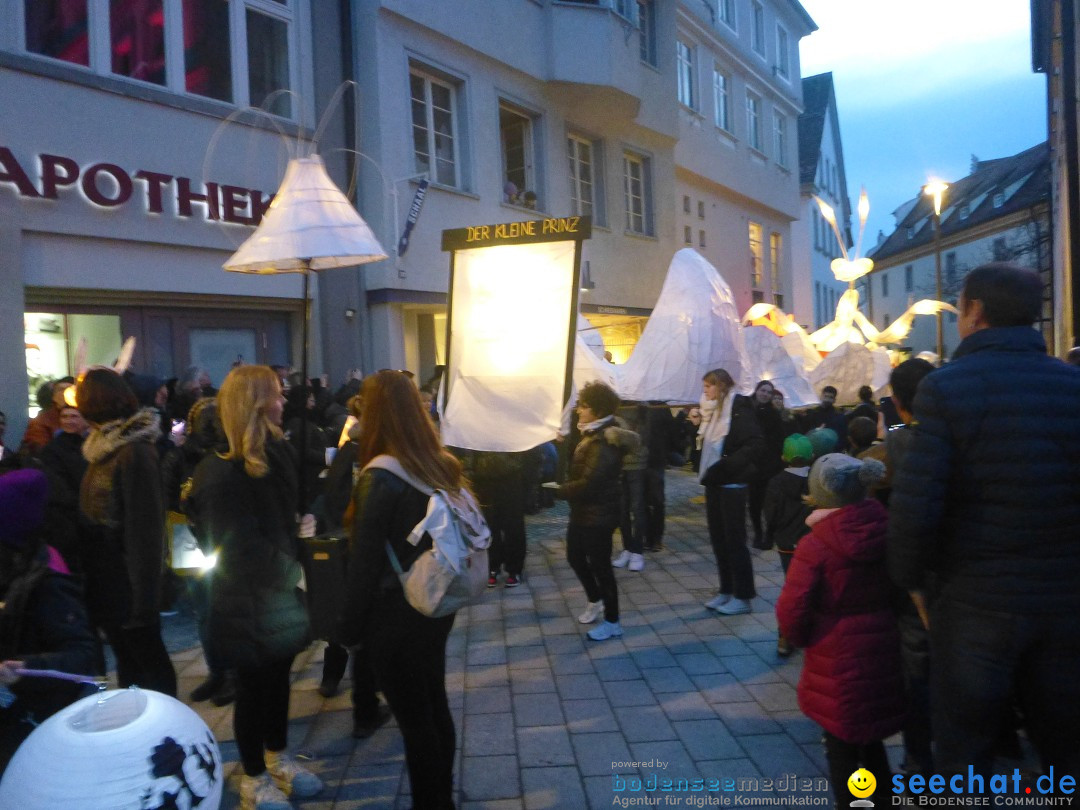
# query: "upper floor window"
{"type": "Point", "coordinates": [582, 182]}
{"type": "Point", "coordinates": [884, 285]}
{"type": "Point", "coordinates": [775, 248]}
{"type": "Point", "coordinates": [701, 209]}
{"type": "Point", "coordinates": [721, 102]}
{"type": "Point", "coordinates": [686, 204]}
{"type": "Point", "coordinates": [753, 120]}
{"type": "Point", "coordinates": [685, 67]}
{"type": "Point", "coordinates": [518, 150]}
{"type": "Point", "coordinates": [727, 13]}
{"type": "Point", "coordinates": [757, 28]}
{"type": "Point", "coordinates": [688, 235]}
{"type": "Point", "coordinates": [188, 46]}
{"type": "Point", "coordinates": [756, 254]}
{"type": "Point", "coordinates": [1001, 249]}
{"type": "Point", "coordinates": [909, 278]}
{"type": "Point", "coordinates": [434, 121]}
{"type": "Point", "coordinates": [636, 193]}
{"type": "Point", "coordinates": [780, 137]}
{"type": "Point", "coordinates": [647, 30]}
{"type": "Point", "coordinates": [783, 53]}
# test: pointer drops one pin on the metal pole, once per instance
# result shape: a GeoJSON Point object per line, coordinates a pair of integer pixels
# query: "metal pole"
{"type": "Point", "coordinates": [304, 382]}
{"type": "Point", "coordinates": [937, 280]}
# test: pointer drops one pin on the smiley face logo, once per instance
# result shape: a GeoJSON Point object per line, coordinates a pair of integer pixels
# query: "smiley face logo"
{"type": "Point", "coordinates": [861, 783]}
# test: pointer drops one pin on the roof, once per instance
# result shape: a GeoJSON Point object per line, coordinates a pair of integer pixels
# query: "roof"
{"type": "Point", "coordinates": [817, 94]}
{"type": "Point", "coordinates": [1017, 182]}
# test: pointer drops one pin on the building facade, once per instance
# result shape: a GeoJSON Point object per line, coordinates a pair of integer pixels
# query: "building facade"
{"type": "Point", "coordinates": [822, 176]}
{"type": "Point", "coordinates": [999, 212]}
{"type": "Point", "coordinates": [129, 173]}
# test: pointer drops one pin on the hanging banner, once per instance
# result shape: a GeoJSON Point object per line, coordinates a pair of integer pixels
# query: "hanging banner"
{"type": "Point", "coordinates": [414, 214]}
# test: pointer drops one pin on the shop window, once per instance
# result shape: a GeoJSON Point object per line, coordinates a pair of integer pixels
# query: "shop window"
{"type": "Point", "coordinates": [775, 256]}
{"type": "Point", "coordinates": [197, 50]}
{"type": "Point", "coordinates": [518, 154]}
{"type": "Point", "coordinates": [434, 117]}
{"type": "Point", "coordinates": [51, 339]}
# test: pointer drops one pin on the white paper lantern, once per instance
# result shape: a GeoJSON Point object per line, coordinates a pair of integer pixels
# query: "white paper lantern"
{"type": "Point", "coordinates": [117, 750]}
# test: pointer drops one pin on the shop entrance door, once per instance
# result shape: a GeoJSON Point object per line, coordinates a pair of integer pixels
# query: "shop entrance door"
{"type": "Point", "coordinates": [218, 350]}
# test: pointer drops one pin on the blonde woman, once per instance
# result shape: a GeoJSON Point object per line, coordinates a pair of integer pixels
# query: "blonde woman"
{"type": "Point", "coordinates": [242, 505]}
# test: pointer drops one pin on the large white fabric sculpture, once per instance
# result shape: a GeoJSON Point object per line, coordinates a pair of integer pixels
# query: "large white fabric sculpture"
{"type": "Point", "coordinates": [694, 328]}
{"type": "Point", "coordinates": [850, 366]}
{"type": "Point", "coordinates": [771, 361]}
{"type": "Point", "coordinates": [127, 749]}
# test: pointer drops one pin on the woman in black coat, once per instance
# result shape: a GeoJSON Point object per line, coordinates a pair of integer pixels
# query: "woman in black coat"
{"type": "Point", "coordinates": [730, 442]}
{"type": "Point", "coordinates": [242, 507]}
{"type": "Point", "coordinates": [769, 463]}
{"type": "Point", "coordinates": [407, 649]}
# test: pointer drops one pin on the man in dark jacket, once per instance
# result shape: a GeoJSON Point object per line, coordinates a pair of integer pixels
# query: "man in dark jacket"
{"type": "Point", "coordinates": [988, 499]}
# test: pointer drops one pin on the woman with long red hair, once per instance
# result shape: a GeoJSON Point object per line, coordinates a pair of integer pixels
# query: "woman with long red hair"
{"type": "Point", "coordinates": [407, 649]}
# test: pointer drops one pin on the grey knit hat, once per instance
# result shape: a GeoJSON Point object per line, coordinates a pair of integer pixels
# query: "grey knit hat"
{"type": "Point", "coordinates": [838, 480]}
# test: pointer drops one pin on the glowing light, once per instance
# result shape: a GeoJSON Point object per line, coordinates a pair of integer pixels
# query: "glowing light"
{"type": "Point", "coordinates": [936, 188]}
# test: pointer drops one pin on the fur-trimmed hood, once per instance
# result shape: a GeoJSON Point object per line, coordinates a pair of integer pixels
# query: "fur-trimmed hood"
{"type": "Point", "coordinates": [142, 426]}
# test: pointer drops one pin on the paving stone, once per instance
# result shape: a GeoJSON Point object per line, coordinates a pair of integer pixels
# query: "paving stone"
{"type": "Point", "coordinates": [707, 739]}
{"type": "Point", "coordinates": [777, 754]}
{"type": "Point", "coordinates": [577, 687]}
{"type": "Point", "coordinates": [487, 699]}
{"type": "Point", "coordinates": [584, 716]}
{"type": "Point", "coordinates": [629, 693]}
{"type": "Point", "coordinates": [524, 681]}
{"type": "Point", "coordinates": [540, 709]}
{"type": "Point", "coordinates": [488, 734]}
{"type": "Point", "coordinates": [667, 679]}
{"type": "Point", "coordinates": [616, 669]}
{"type": "Point", "coordinates": [541, 746]}
{"type": "Point", "coordinates": [553, 788]}
{"type": "Point", "coordinates": [596, 753]}
{"type": "Point", "coordinates": [494, 777]}
{"type": "Point", "coordinates": [644, 723]}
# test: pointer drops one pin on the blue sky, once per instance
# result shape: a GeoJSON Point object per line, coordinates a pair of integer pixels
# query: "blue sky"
{"type": "Point", "coordinates": [921, 86]}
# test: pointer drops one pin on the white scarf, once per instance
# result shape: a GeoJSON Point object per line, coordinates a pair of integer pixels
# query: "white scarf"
{"type": "Point", "coordinates": [596, 424]}
{"type": "Point", "coordinates": [715, 424]}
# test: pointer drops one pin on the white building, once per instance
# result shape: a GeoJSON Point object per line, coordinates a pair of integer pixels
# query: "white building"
{"type": "Point", "coordinates": [999, 212]}
{"type": "Point", "coordinates": [822, 175]}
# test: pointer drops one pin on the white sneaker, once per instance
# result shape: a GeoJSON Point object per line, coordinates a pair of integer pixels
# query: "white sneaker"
{"type": "Point", "coordinates": [592, 612]}
{"type": "Point", "coordinates": [260, 793]}
{"type": "Point", "coordinates": [734, 607]}
{"type": "Point", "coordinates": [622, 559]}
{"type": "Point", "coordinates": [292, 779]}
{"type": "Point", "coordinates": [718, 601]}
{"type": "Point", "coordinates": [605, 631]}
{"type": "Point", "coordinates": [637, 562]}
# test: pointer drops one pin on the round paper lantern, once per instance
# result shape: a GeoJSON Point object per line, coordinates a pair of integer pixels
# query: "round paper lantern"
{"type": "Point", "coordinates": [115, 750]}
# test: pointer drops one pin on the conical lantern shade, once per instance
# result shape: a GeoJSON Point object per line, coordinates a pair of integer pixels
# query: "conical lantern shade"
{"type": "Point", "coordinates": [310, 225]}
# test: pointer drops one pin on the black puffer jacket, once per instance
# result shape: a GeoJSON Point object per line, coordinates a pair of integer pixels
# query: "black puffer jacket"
{"type": "Point", "coordinates": [988, 494]}
{"type": "Point", "coordinates": [255, 615]}
{"type": "Point", "coordinates": [387, 509]}
{"type": "Point", "coordinates": [743, 447]}
{"type": "Point", "coordinates": [592, 487]}
{"type": "Point", "coordinates": [784, 511]}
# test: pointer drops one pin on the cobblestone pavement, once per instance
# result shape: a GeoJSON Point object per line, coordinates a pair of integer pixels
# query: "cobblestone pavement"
{"type": "Point", "coordinates": [547, 718]}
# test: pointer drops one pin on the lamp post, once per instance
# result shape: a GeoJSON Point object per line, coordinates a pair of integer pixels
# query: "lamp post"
{"type": "Point", "coordinates": [936, 189]}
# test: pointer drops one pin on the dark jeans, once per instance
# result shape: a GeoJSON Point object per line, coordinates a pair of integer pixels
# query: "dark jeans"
{"type": "Point", "coordinates": [408, 653]}
{"type": "Point", "coordinates": [915, 655]}
{"type": "Point", "coordinates": [845, 758]}
{"type": "Point", "coordinates": [364, 700]}
{"type": "Point", "coordinates": [632, 511]}
{"type": "Point", "coordinates": [588, 550]}
{"type": "Point", "coordinates": [504, 512]}
{"type": "Point", "coordinates": [141, 658]}
{"type": "Point", "coordinates": [654, 506]}
{"type": "Point", "coordinates": [756, 500]}
{"type": "Point", "coordinates": [261, 713]}
{"type": "Point", "coordinates": [725, 513]}
{"type": "Point", "coordinates": [983, 662]}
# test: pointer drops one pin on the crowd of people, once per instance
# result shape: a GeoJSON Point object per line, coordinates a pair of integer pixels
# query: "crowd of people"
{"type": "Point", "coordinates": [928, 543]}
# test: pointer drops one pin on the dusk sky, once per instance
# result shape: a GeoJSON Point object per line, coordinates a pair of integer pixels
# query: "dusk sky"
{"type": "Point", "coordinates": [921, 86]}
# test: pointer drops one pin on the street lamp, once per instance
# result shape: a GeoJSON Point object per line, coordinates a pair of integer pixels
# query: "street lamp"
{"type": "Point", "coordinates": [935, 189]}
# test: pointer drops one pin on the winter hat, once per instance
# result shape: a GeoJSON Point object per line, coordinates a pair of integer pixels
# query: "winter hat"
{"type": "Point", "coordinates": [838, 480]}
{"type": "Point", "coordinates": [823, 440]}
{"type": "Point", "coordinates": [23, 494]}
{"type": "Point", "coordinates": [797, 446]}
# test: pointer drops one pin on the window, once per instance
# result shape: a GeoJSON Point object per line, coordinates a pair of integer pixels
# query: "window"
{"type": "Point", "coordinates": [815, 228]}
{"type": "Point", "coordinates": [647, 31]}
{"type": "Point", "coordinates": [701, 209]}
{"type": "Point", "coordinates": [582, 183]}
{"type": "Point", "coordinates": [884, 285]}
{"type": "Point", "coordinates": [965, 211]}
{"type": "Point", "coordinates": [885, 321]}
{"type": "Point", "coordinates": [721, 85]}
{"type": "Point", "coordinates": [516, 138]}
{"type": "Point", "coordinates": [434, 119]}
{"type": "Point", "coordinates": [636, 192]}
{"type": "Point", "coordinates": [757, 296]}
{"type": "Point", "coordinates": [909, 278]}
{"type": "Point", "coordinates": [757, 29]}
{"type": "Point", "coordinates": [727, 13]}
{"type": "Point", "coordinates": [950, 267]}
{"type": "Point", "coordinates": [1001, 250]}
{"type": "Point", "coordinates": [783, 56]}
{"type": "Point", "coordinates": [999, 199]}
{"type": "Point", "coordinates": [753, 120]}
{"type": "Point", "coordinates": [780, 137]}
{"type": "Point", "coordinates": [701, 239]}
{"type": "Point", "coordinates": [686, 204]}
{"type": "Point", "coordinates": [775, 245]}
{"type": "Point", "coordinates": [186, 46]}
{"type": "Point", "coordinates": [685, 67]}
{"type": "Point", "coordinates": [756, 257]}
{"type": "Point", "coordinates": [625, 8]}
{"type": "Point", "coordinates": [778, 300]}
{"type": "Point", "coordinates": [688, 235]}
{"type": "Point", "coordinates": [818, 304]}
{"type": "Point", "coordinates": [910, 233]}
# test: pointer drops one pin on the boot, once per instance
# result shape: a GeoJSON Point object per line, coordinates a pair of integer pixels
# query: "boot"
{"type": "Point", "coordinates": [226, 693]}
{"type": "Point", "coordinates": [208, 688]}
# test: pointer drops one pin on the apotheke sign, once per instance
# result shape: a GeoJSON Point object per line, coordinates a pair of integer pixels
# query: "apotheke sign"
{"type": "Point", "coordinates": [107, 185]}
